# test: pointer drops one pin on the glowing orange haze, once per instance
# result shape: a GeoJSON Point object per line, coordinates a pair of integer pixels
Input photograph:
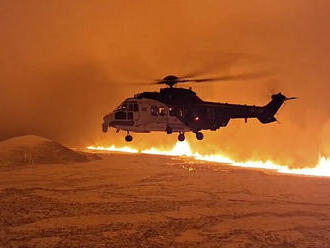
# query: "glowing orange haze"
{"type": "Point", "coordinates": [64, 64]}
{"type": "Point", "coordinates": [183, 149]}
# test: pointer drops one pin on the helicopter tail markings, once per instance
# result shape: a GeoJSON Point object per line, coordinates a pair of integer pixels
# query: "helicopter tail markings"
{"type": "Point", "coordinates": [268, 111]}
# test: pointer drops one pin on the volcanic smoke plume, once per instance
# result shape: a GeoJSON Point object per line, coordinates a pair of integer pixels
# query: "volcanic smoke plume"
{"type": "Point", "coordinates": [65, 64]}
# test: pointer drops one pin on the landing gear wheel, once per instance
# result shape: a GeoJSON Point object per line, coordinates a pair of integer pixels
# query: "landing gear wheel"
{"type": "Point", "coordinates": [181, 137]}
{"type": "Point", "coordinates": [169, 130]}
{"type": "Point", "coordinates": [199, 136]}
{"type": "Point", "coordinates": [128, 138]}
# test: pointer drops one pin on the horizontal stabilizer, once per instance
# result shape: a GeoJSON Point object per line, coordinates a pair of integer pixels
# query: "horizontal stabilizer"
{"type": "Point", "coordinates": [266, 119]}
{"type": "Point", "coordinates": [290, 98]}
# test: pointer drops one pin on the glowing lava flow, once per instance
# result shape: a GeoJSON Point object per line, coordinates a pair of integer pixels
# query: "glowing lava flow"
{"type": "Point", "coordinates": [183, 149]}
{"type": "Point", "coordinates": [113, 149]}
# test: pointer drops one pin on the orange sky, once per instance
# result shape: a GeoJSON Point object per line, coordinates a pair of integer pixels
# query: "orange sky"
{"type": "Point", "coordinates": [66, 63]}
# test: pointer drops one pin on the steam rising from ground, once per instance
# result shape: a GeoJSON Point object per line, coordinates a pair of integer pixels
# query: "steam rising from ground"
{"type": "Point", "coordinates": [61, 72]}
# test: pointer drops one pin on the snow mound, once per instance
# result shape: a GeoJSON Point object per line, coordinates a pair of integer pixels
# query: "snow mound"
{"type": "Point", "coordinates": [32, 149]}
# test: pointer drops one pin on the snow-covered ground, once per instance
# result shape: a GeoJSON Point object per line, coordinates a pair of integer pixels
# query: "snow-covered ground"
{"type": "Point", "coordinates": [139, 200]}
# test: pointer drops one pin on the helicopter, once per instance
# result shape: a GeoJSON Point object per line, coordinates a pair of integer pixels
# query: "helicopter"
{"type": "Point", "coordinates": [180, 110]}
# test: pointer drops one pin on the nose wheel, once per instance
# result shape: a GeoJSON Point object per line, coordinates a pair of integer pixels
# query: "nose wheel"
{"type": "Point", "coordinates": [199, 135]}
{"type": "Point", "coordinates": [104, 128]}
{"type": "Point", "coordinates": [181, 137]}
{"type": "Point", "coordinates": [128, 137]}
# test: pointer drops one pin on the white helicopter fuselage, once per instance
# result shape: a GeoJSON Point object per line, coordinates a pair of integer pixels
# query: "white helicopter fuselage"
{"type": "Point", "coordinates": [143, 116]}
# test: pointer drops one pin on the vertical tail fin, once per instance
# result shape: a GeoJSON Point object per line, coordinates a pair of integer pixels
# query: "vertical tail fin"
{"type": "Point", "coordinates": [268, 111]}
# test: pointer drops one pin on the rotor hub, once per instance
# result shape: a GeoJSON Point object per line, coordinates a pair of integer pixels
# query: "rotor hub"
{"type": "Point", "coordinates": [170, 80]}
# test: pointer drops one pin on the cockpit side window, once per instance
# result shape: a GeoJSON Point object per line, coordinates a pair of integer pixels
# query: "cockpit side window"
{"type": "Point", "coordinates": [120, 115]}
{"type": "Point", "coordinates": [136, 107]}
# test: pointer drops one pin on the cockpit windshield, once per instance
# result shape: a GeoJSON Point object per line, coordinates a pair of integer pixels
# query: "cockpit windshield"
{"type": "Point", "coordinates": [128, 106]}
{"type": "Point", "coordinates": [122, 106]}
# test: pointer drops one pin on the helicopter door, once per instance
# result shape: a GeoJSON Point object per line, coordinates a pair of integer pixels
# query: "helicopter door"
{"type": "Point", "coordinates": [133, 112]}
{"type": "Point", "coordinates": [162, 117]}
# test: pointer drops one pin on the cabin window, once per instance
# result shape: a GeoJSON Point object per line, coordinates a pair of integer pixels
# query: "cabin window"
{"type": "Point", "coordinates": [136, 107]}
{"type": "Point", "coordinates": [154, 110]}
{"type": "Point", "coordinates": [120, 115]}
{"type": "Point", "coordinates": [161, 111]}
{"type": "Point", "coordinates": [172, 111]}
{"type": "Point", "coordinates": [130, 107]}
{"type": "Point", "coordinates": [180, 112]}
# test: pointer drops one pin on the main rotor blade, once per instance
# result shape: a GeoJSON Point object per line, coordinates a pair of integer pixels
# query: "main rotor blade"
{"type": "Point", "coordinates": [243, 76]}
{"type": "Point", "coordinates": [187, 79]}
{"type": "Point", "coordinates": [219, 62]}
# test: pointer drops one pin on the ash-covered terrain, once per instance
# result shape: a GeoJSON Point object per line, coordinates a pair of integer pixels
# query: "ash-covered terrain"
{"type": "Point", "coordinates": [134, 200]}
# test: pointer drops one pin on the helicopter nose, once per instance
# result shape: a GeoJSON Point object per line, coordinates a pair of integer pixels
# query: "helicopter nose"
{"type": "Point", "coordinates": [111, 117]}
{"type": "Point", "coordinates": [108, 119]}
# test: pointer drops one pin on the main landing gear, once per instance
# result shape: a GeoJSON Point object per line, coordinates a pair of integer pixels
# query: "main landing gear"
{"type": "Point", "coordinates": [128, 137]}
{"type": "Point", "coordinates": [169, 130]}
{"type": "Point", "coordinates": [199, 135]}
{"type": "Point", "coordinates": [181, 137]}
